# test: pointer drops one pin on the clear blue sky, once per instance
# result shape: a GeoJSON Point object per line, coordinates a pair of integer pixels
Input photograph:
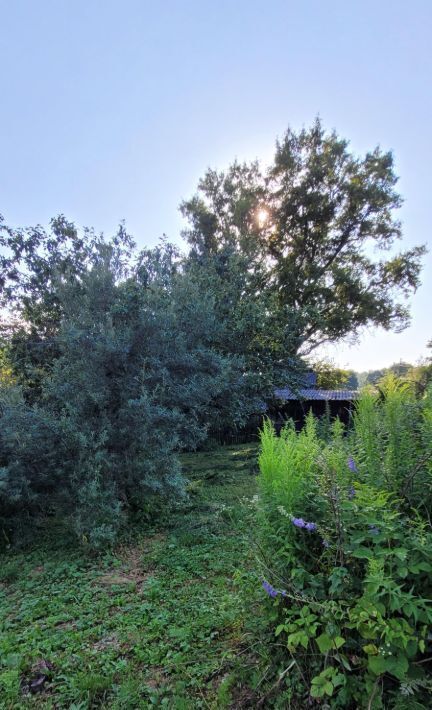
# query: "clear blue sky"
{"type": "Point", "coordinates": [112, 110]}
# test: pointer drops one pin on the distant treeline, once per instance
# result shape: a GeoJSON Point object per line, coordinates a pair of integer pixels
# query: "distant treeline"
{"type": "Point", "coordinates": [331, 377]}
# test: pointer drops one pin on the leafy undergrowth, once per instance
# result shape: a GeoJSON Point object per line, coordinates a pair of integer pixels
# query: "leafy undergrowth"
{"type": "Point", "coordinates": [159, 622]}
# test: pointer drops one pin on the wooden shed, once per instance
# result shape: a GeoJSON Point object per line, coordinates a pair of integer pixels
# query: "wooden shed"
{"type": "Point", "coordinates": [297, 403]}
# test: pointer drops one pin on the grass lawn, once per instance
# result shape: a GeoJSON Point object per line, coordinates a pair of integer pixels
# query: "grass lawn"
{"type": "Point", "coordinates": [158, 622]}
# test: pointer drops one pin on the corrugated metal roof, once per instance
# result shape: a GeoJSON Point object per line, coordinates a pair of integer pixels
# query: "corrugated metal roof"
{"type": "Point", "coordinates": [316, 394]}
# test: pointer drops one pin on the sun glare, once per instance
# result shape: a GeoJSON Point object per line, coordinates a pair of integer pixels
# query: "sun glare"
{"type": "Point", "coordinates": [262, 217]}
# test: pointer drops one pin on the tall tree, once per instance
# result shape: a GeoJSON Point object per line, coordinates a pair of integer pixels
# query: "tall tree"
{"type": "Point", "coordinates": [331, 377]}
{"type": "Point", "coordinates": [250, 327]}
{"type": "Point", "coordinates": [306, 227]}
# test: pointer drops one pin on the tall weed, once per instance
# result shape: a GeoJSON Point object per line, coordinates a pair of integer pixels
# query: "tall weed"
{"type": "Point", "coordinates": [346, 549]}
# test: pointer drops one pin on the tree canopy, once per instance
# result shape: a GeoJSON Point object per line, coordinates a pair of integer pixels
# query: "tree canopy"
{"type": "Point", "coordinates": [330, 377]}
{"type": "Point", "coordinates": [308, 226]}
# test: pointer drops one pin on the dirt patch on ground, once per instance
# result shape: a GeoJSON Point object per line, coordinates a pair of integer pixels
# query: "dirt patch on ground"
{"type": "Point", "coordinates": [107, 642]}
{"type": "Point", "coordinates": [132, 562]}
{"type": "Point", "coordinates": [148, 543]}
{"type": "Point", "coordinates": [37, 571]}
{"type": "Point", "coordinates": [132, 569]}
{"type": "Point", "coordinates": [38, 678]}
{"type": "Point", "coordinates": [243, 698]}
{"type": "Point", "coordinates": [66, 625]}
{"type": "Point", "coordinates": [157, 679]}
{"type": "Point", "coordinates": [115, 578]}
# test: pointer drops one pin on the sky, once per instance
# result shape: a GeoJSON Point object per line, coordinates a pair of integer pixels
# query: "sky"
{"type": "Point", "coordinates": [113, 109]}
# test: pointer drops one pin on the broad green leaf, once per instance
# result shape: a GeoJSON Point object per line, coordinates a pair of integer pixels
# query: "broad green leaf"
{"type": "Point", "coordinates": [398, 666]}
{"type": "Point", "coordinates": [370, 649]}
{"type": "Point", "coordinates": [324, 643]}
{"type": "Point", "coordinates": [328, 688]}
{"type": "Point", "coordinates": [338, 641]}
{"type": "Point", "coordinates": [377, 664]}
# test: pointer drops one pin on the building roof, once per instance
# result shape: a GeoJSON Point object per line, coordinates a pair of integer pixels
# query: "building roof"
{"type": "Point", "coordinates": [309, 394]}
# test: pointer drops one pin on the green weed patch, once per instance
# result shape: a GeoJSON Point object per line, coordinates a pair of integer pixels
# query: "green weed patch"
{"type": "Point", "coordinates": [158, 622]}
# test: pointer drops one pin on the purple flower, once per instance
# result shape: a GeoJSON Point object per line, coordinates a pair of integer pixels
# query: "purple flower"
{"type": "Point", "coordinates": [351, 464]}
{"type": "Point", "coordinates": [374, 530]}
{"type": "Point", "coordinates": [310, 526]}
{"type": "Point", "coordinates": [298, 522]}
{"type": "Point", "coordinates": [351, 492]}
{"type": "Point", "coordinates": [271, 591]}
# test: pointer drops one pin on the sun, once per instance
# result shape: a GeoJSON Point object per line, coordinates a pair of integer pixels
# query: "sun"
{"type": "Point", "coordinates": [262, 217]}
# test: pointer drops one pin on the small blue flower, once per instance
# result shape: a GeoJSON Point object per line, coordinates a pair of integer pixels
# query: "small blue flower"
{"type": "Point", "coordinates": [351, 492]}
{"type": "Point", "coordinates": [374, 530]}
{"type": "Point", "coordinates": [325, 543]}
{"type": "Point", "coordinates": [298, 522]}
{"type": "Point", "coordinates": [271, 591]}
{"type": "Point", "coordinates": [351, 464]}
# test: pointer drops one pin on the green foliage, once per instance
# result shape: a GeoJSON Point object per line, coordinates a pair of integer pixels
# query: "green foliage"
{"type": "Point", "coordinates": [417, 376]}
{"type": "Point", "coordinates": [330, 377]}
{"type": "Point", "coordinates": [346, 549]}
{"type": "Point", "coordinates": [305, 228]}
{"type": "Point", "coordinates": [392, 440]}
{"type": "Point", "coordinates": [238, 321]}
{"type": "Point", "coordinates": [6, 373]}
{"type": "Point", "coordinates": [33, 263]}
{"type": "Point", "coordinates": [116, 363]}
{"type": "Point", "coordinates": [155, 622]}
{"type": "Point", "coordinates": [251, 327]}
{"type": "Point", "coordinates": [288, 463]}
{"type": "Point", "coordinates": [9, 571]}
{"type": "Point", "coordinates": [135, 379]}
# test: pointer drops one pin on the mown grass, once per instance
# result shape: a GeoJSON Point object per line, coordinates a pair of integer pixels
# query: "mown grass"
{"type": "Point", "coordinates": [158, 622]}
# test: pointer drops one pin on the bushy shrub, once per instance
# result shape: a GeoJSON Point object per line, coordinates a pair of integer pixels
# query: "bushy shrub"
{"type": "Point", "coordinates": [346, 545]}
{"type": "Point", "coordinates": [129, 387]}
